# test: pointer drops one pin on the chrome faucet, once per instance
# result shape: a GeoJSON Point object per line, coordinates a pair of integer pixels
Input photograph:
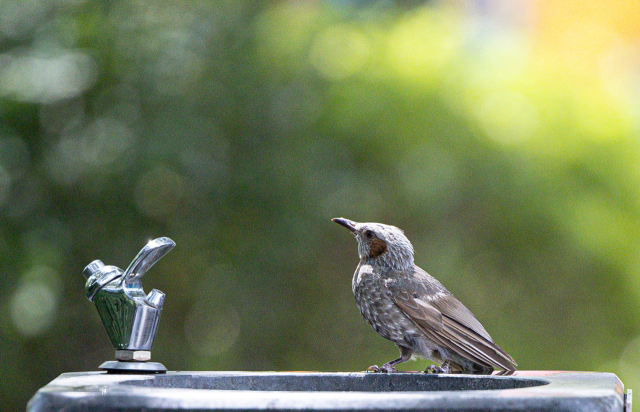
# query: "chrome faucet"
{"type": "Point", "coordinates": [130, 317]}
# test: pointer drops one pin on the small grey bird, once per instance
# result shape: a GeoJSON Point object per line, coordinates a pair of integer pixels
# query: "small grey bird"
{"type": "Point", "coordinates": [409, 307]}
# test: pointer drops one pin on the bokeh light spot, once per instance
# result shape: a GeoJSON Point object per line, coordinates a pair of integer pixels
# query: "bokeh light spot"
{"type": "Point", "coordinates": [339, 52]}
{"type": "Point", "coordinates": [33, 306]}
{"type": "Point", "coordinates": [18, 17]}
{"type": "Point", "coordinates": [423, 44]}
{"type": "Point", "coordinates": [42, 78]}
{"type": "Point", "coordinates": [210, 330]}
{"type": "Point", "coordinates": [179, 65]}
{"type": "Point", "coordinates": [601, 118]}
{"type": "Point", "coordinates": [104, 142]}
{"type": "Point", "coordinates": [508, 117]}
{"type": "Point", "coordinates": [284, 31]}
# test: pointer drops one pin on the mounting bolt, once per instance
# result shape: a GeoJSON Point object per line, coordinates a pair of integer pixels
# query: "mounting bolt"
{"type": "Point", "coordinates": [133, 355]}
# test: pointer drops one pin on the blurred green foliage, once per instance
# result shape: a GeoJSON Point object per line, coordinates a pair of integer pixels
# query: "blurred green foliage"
{"type": "Point", "coordinates": [239, 128]}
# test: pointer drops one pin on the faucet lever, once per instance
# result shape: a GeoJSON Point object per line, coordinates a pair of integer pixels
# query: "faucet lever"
{"type": "Point", "coordinates": [147, 257]}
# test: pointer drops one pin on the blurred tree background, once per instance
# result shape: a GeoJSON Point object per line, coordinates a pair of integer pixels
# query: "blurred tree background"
{"type": "Point", "coordinates": [503, 137]}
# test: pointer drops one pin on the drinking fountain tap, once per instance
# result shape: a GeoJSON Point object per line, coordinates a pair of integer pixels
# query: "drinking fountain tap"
{"type": "Point", "coordinates": [129, 315]}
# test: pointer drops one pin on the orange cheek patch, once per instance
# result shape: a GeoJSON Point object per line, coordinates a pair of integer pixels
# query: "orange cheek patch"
{"type": "Point", "coordinates": [377, 248]}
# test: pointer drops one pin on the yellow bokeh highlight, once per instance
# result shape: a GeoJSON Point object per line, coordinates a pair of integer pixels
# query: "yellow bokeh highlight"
{"type": "Point", "coordinates": [283, 32]}
{"type": "Point", "coordinates": [339, 52]}
{"type": "Point", "coordinates": [587, 48]}
{"type": "Point", "coordinates": [508, 117]}
{"type": "Point", "coordinates": [421, 45]}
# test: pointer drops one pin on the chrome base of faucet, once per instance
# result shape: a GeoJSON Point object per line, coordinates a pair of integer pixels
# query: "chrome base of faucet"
{"type": "Point", "coordinates": [132, 367]}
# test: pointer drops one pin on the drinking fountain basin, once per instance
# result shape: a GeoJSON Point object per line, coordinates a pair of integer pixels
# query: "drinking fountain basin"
{"type": "Point", "coordinates": [226, 391]}
{"type": "Point", "coordinates": [132, 383]}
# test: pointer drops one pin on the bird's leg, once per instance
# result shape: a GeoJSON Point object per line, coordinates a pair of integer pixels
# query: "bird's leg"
{"type": "Point", "coordinates": [445, 368]}
{"type": "Point", "coordinates": [405, 355]}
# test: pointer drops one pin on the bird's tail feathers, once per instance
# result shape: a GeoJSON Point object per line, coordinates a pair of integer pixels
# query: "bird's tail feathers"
{"type": "Point", "coordinates": [471, 345]}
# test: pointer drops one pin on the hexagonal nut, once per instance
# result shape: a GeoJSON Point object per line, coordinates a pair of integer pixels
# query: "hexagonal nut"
{"type": "Point", "coordinates": [133, 355]}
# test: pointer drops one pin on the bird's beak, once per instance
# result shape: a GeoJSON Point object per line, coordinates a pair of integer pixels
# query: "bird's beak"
{"type": "Point", "coordinates": [349, 224]}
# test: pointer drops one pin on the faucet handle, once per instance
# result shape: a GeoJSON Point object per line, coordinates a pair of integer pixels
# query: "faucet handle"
{"type": "Point", "coordinates": [147, 257]}
{"type": "Point", "coordinates": [98, 276]}
{"type": "Point", "coordinates": [92, 268]}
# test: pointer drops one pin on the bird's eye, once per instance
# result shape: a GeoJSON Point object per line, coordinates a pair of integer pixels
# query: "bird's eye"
{"type": "Point", "coordinates": [368, 234]}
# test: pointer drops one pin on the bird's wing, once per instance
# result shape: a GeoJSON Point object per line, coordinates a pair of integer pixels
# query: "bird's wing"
{"type": "Point", "coordinates": [455, 310]}
{"type": "Point", "coordinates": [421, 312]}
{"type": "Point", "coordinates": [445, 320]}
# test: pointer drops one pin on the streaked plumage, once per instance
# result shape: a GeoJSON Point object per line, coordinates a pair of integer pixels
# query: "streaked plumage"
{"type": "Point", "coordinates": [411, 308]}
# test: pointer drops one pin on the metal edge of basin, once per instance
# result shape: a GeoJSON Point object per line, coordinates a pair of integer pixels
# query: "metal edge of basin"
{"type": "Point", "coordinates": [98, 391]}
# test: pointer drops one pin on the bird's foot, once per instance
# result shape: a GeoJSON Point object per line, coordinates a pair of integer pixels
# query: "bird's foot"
{"type": "Point", "coordinates": [386, 368]}
{"type": "Point", "coordinates": [438, 369]}
{"type": "Point", "coordinates": [373, 369]}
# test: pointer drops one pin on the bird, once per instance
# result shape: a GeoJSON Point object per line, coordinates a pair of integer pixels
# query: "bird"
{"type": "Point", "coordinates": [412, 309]}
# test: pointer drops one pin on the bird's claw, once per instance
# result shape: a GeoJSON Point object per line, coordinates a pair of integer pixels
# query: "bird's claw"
{"type": "Point", "coordinates": [388, 369]}
{"type": "Point", "coordinates": [382, 369]}
{"type": "Point", "coordinates": [437, 369]}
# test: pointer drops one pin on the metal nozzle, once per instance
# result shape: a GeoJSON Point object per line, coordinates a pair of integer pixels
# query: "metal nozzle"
{"type": "Point", "coordinates": [129, 315]}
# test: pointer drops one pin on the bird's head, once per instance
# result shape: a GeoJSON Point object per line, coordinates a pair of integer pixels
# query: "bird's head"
{"type": "Point", "coordinates": [383, 244]}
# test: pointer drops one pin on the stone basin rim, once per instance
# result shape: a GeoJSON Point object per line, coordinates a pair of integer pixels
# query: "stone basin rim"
{"type": "Point", "coordinates": [332, 382]}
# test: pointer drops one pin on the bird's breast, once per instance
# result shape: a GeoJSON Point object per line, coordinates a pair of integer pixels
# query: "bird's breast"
{"type": "Point", "coordinates": [377, 308]}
